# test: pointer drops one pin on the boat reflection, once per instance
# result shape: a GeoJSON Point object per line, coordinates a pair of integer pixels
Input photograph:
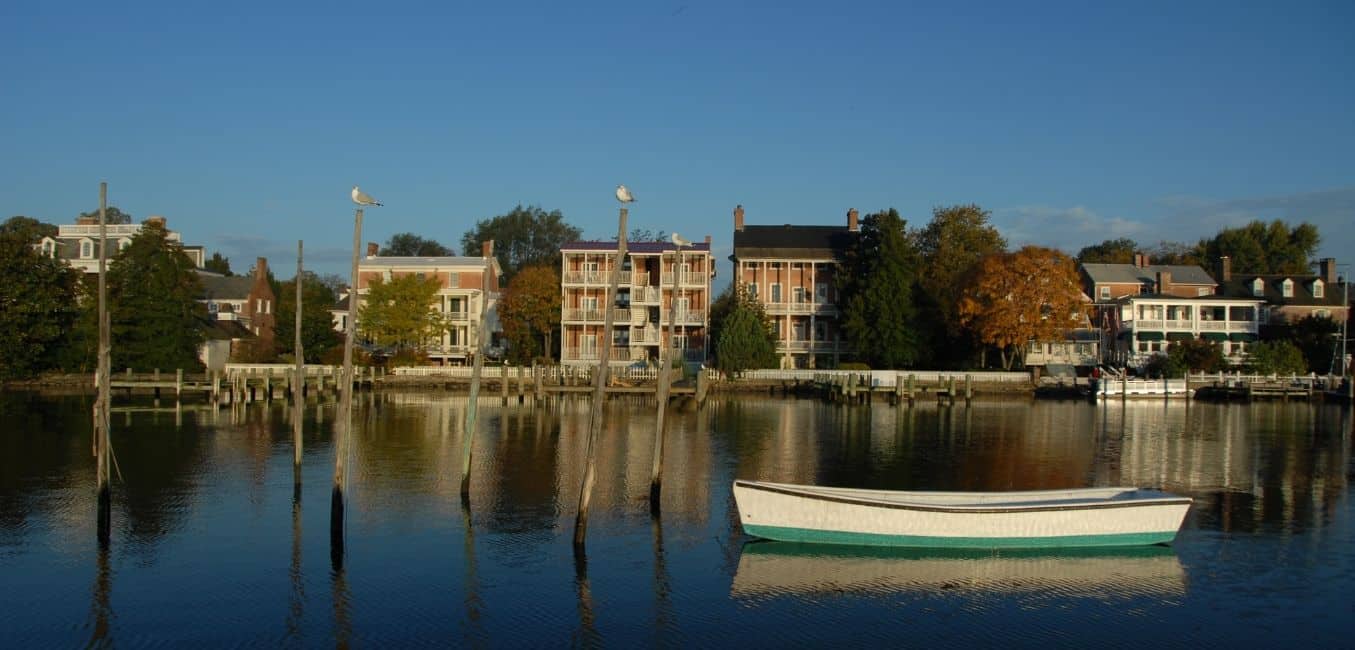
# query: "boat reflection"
{"type": "Point", "coordinates": [771, 569]}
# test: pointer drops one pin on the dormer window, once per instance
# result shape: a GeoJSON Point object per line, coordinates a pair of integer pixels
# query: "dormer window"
{"type": "Point", "coordinates": [1318, 289]}
{"type": "Point", "coordinates": [48, 247]}
{"type": "Point", "coordinates": [1258, 287]}
{"type": "Point", "coordinates": [1287, 288]}
{"type": "Point", "coordinates": [124, 243]}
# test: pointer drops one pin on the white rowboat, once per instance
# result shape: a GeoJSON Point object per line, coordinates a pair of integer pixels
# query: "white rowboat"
{"type": "Point", "coordinates": [1114, 516]}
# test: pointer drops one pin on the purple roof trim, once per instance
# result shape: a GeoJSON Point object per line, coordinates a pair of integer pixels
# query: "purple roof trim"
{"type": "Point", "coordinates": [631, 247]}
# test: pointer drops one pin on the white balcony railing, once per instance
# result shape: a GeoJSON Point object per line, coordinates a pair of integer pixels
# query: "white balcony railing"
{"type": "Point", "coordinates": [591, 354]}
{"type": "Point", "coordinates": [800, 308]}
{"type": "Point", "coordinates": [644, 336]}
{"type": "Point", "coordinates": [806, 346]}
{"type": "Point", "coordinates": [458, 316]}
{"type": "Point", "coordinates": [688, 279]}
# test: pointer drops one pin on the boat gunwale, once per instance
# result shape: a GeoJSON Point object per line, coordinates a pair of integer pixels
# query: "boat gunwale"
{"type": "Point", "coordinates": [808, 493]}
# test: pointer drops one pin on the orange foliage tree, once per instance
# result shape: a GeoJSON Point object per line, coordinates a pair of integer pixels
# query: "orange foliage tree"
{"type": "Point", "coordinates": [1012, 298]}
{"type": "Point", "coordinates": [530, 312]}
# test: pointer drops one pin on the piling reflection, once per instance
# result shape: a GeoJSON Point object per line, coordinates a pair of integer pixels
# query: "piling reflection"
{"type": "Point", "coordinates": [770, 569]}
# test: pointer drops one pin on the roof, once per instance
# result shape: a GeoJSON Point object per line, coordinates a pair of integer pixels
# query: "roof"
{"type": "Point", "coordinates": [640, 247]}
{"type": "Point", "coordinates": [1163, 297]}
{"type": "Point", "coordinates": [428, 262]}
{"type": "Point", "coordinates": [225, 330]}
{"type": "Point", "coordinates": [220, 287]}
{"type": "Point", "coordinates": [1241, 287]}
{"type": "Point", "coordinates": [791, 241]}
{"type": "Point", "coordinates": [1130, 274]}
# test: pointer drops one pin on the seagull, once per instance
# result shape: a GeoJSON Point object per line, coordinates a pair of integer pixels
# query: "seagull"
{"type": "Point", "coordinates": [679, 241]}
{"type": "Point", "coordinates": [623, 195]}
{"type": "Point", "coordinates": [362, 198]}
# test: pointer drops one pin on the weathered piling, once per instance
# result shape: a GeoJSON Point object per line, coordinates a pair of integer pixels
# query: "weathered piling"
{"type": "Point", "coordinates": [298, 382]}
{"type": "Point", "coordinates": [104, 500]}
{"type": "Point", "coordinates": [664, 385]}
{"type": "Point", "coordinates": [481, 340]}
{"type": "Point", "coordinates": [343, 422]}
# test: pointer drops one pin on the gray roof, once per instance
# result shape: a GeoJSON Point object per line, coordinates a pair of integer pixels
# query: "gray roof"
{"type": "Point", "coordinates": [220, 287]}
{"type": "Point", "coordinates": [790, 241]}
{"type": "Point", "coordinates": [1130, 274]}
{"type": "Point", "coordinates": [1241, 287]}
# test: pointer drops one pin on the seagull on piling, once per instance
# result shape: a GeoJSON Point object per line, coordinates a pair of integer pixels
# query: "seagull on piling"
{"type": "Point", "coordinates": [362, 198]}
{"type": "Point", "coordinates": [680, 242]}
{"type": "Point", "coordinates": [623, 195]}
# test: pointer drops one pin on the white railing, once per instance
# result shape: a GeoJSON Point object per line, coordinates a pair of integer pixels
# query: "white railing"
{"type": "Point", "coordinates": [691, 317]}
{"type": "Point", "coordinates": [644, 295]}
{"type": "Point", "coordinates": [639, 278]}
{"type": "Point", "coordinates": [888, 377]}
{"type": "Point", "coordinates": [457, 316]}
{"type": "Point", "coordinates": [644, 336]}
{"type": "Point", "coordinates": [580, 354]}
{"type": "Point", "coordinates": [278, 369]}
{"type": "Point", "coordinates": [800, 307]}
{"type": "Point", "coordinates": [806, 346]}
{"type": "Point", "coordinates": [573, 314]}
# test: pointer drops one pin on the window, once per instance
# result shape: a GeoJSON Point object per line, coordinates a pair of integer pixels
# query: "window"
{"type": "Point", "coordinates": [751, 287]}
{"type": "Point", "coordinates": [679, 341]}
{"type": "Point", "coordinates": [821, 292]}
{"type": "Point", "coordinates": [1105, 293]}
{"type": "Point", "coordinates": [454, 279]}
{"type": "Point", "coordinates": [588, 345]}
{"type": "Point", "coordinates": [1258, 287]}
{"type": "Point", "coordinates": [268, 306]}
{"type": "Point", "coordinates": [1204, 291]}
{"type": "Point", "coordinates": [1318, 289]}
{"type": "Point", "coordinates": [86, 249]}
{"type": "Point", "coordinates": [588, 302]}
{"type": "Point", "coordinates": [798, 294]}
{"type": "Point", "coordinates": [776, 292]}
{"type": "Point", "coordinates": [1287, 288]}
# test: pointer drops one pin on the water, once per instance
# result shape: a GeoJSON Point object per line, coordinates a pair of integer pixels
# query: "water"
{"type": "Point", "coordinates": [209, 547]}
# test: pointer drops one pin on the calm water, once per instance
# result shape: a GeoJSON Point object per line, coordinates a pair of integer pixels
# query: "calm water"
{"type": "Point", "coordinates": [209, 546]}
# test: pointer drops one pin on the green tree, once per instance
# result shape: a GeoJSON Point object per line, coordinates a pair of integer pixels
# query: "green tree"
{"type": "Point", "coordinates": [1110, 251]}
{"type": "Point", "coordinates": [155, 318]}
{"type": "Point", "coordinates": [645, 235]}
{"type": "Point", "coordinates": [401, 313]}
{"type": "Point", "coordinates": [950, 245]}
{"type": "Point", "coordinates": [1177, 253]}
{"type": "Point", "coordinates": [877, 290]}
{"type": "Point", "coordinates": [37, 305]}
{"type": "Point", "coordinates": [530, 312]}
{"type": "Point", "coordinates": [745, 340]}
{"type": "Point", "coordinates": [523, 237]}
{"type": "Point", "coordinates": [1195, 355]}
{"type": "Point", "coordinates": [1317, 337]}
{"type": "Point", "coordinates": [408, 244]}
{"type": "Point", "coordinates": [1260, 247]}
{"type": "Point", "coordinates": [1276, 358]}
{"type": "Point", "coordinates": [27, 229]}
{"type": "Point", "coordinates": [218, 263]}
{"type": "Point", "coordinates": [112, 215]}
{"type": "Point", "coordinates": [317, 324]}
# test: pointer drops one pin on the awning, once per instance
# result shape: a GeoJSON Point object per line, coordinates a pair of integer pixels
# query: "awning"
{"type": "Point", "coordinates": [1214, 336]}
{"type": "Point", "coordinates": [1179, 336]}
{"type": "Point", "coordinates": [1148, 336]}
{"type": "Point", "coordinates": [1124, 335]}
{"type": "Point", "coordinates": [1242, 336]}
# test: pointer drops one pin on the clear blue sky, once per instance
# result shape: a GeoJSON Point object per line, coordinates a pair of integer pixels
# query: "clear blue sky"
{"type": "Point", "coordinates": [1073, 122]}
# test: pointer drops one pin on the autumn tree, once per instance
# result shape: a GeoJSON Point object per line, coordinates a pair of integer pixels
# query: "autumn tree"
{"type": "Point", "coordinates": [523, 237]}
{"type": "Point", "coordinates": [317, 323]}
{"type": "Point", "coordinates": [877, 291]}
{"type": "Point", "coordinates": [745, 339]}
{"type": "Point", "coordinates": [1110, 251]}
{"type": "Point", "coordinates": [408, 244]}
{"type": "Point", "coordinates": [155, 318]}
{"type": "Point", "coordinates": [530, 312]}
{"type": "Point", "coordinates": [1012, 298]}
{"type": "Point", "coordinates": [401, 313]}
{"type": "Point", "coordinates": [1260, 247]}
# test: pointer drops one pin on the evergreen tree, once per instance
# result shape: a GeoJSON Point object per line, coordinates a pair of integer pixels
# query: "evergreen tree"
{"type": "Point", "coordinates": [745, 338]}
{"type": "Point", "coordinates": [878, 294]}
{"type": "Point", "coordinates": [218, 263]}
{"type": "Point", "coordinates": [37, 306]}
{"type": "Point", "coordinates": [1260, 247]}
{"type": "Point", "coordinates": [317, 324]}
{"type": "Point", "coordinates": [155, 318]}
{"type": "Point", "coordinates": [523, 237]}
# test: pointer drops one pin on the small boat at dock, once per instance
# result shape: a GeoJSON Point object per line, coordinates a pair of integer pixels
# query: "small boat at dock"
{"type": "Point", "coordinates": [1111, 516]}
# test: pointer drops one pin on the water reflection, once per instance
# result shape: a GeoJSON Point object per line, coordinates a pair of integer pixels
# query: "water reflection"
{"type": "Point", "coordinates": [769, 569]}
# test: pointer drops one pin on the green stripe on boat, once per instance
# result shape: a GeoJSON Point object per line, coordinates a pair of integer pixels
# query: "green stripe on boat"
{"type": "Point", "coordinates": [811, 536]}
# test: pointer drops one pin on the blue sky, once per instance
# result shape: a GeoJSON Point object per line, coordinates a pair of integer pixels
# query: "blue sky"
{"type": "Point", "coordinates": [1072, 122]}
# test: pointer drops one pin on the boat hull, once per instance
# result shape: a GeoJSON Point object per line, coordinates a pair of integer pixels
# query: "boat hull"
{"type": "Point", "coordinates": [802, 514]}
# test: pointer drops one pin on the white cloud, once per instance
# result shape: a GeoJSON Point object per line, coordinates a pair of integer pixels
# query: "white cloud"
{"type": "Point", "coordinates": [1068, 228]}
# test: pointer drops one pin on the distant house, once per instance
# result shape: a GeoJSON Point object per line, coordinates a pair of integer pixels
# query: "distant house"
{"type": "Point", "coordinates": [790, 269]}
{"type": "Point", "coordinates": [242, 309]}
{"type": "Point", "coordinates": [1289, 298]}
{"type": "Point", "coordinates": [78, 244]}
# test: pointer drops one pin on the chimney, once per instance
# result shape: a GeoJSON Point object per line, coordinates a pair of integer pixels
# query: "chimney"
{"type": "Point", "coordinates": [1225, 269]}
{"type": "Point", "coordinates": [487, 249]}
{"type": "Point", "coordinates": [738, 218]}
{"type": "Point", "coordinates": [261, 267]}
{"type": "Point", "coordinates": [372, 249]}
{"type": "Point", "coordinates": [1141, 260]}
{"type": "Point", "coordinates": [707, 241]}
{"type": "Point", "coordinates": [1164, 282]}
{"type": "Point", "coordinates": [851, 220]}
{"type": "Point", "coordinates": [1327, 269]}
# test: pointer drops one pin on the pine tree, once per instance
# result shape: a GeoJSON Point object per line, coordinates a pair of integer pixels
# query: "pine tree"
{"type": "Point", "coordinates": [37, 307]}
{"type": "Point", "coordinates": [878, 289]}
{"type": "Point", "coordinates": [745, 338]}
{"type": "Point", "coordinates": [155, 318]}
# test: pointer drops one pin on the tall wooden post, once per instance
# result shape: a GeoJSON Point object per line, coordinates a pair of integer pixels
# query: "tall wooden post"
{"type": "Point", "coordinates": [665, 385]}
{"type": "Point", "coordinates": [481, 341]}
{"type": "Point", "coordinates": [599, 389]}
{"type": "Point", "coordinates": [299, 383]}
{"type": "Point", "coordinates": [101, 409]}
{"type": "Point", "coordinates": [343, 422]}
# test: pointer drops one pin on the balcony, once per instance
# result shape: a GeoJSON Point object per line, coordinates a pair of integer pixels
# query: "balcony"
{"type": "Point", "coordinates": [644, 336]}
{"type": "Point", "coordinates": [620, 315]}
{"type": "Point", "coordinates": [819, 308]}
{"type": "Point", "coordinates": [644, 296]}
{"type": "Point", "coordinates": [688, 279]}
{"type": "Point", "coordinates": [591, 354]}
{"type": "Point", "coordinates": [457, 316]}
{"type": "Point", "coordinates": [593, 277]}
{"type": "Point", "coordinates": [806, 346]}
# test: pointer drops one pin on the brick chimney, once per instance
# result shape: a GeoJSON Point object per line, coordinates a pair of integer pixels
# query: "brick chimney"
{"type": "Point", "coordinates": [1327, 269]}
{"type": "Point", "coordinates": [1141, 260]}
{"type": "Point", "coordinates": [261, 267]}
{"type": "Point", "coordinates": [487, 249]}
{"type": "Point", "coordinates": [852, 224]}
{"type": "Point", "coordinates": [1164, 282]}
{"type": "Point", "coordinates": [372, 249]}
{"type": "Point", "coordinates": [738, 218]}
{"type": "Point", "coordinates": [1225, 269]}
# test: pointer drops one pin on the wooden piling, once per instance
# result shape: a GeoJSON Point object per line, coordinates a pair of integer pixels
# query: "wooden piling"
{"type": "Point", "coordinates": [102, 408]}
{"type": "Point", "coordinates": [503, 384]}
{"type": "Point", "coordinates": [343, 422]}
{"type": "Point", "coordinates": [477, 368]}
{"type": "Point", "coordinates": [298, 383]}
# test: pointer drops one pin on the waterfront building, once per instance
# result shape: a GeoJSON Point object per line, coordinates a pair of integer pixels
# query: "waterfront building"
{"type": "Point", "coordinates": [1289, 297]}
{"type": "Point", "coordinates": [242, 310]}
{"type": "Point", "coordinates": [646, 295]}
{"type": "Point", "coordinates": [461, 298]}
{"type": "Point", "coordinates": [78, 244]}
{"type": "Point", "coordinates": [790, 269]}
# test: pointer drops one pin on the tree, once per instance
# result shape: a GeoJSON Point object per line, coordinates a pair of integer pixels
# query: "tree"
{"type": "Point", "coordinates": [37, 304]}
{"type": "Point", "coordinates": [27, 229]}
{"type": "Point", "coordinates": [1110, 251]}
{"type": "Point", "coordinates": [112, 215]}
{"type": "Point", "coordinates": [523, 237]}
{"type": "Point", "coordinates": [1276, 358]}
{"type": "Point", "coordinates": [745, 340]}
{"type": "Point", "coordinates": [408, 244]}
{"type": "Point", "coordinates": [950, 245]}
{"type": "Point", "coordinates": [1194, 355]}
{"type": "Point", "coordinates": [880, 318]}
{"type": "Point", "coordinates": [1316, 337]}
{"type": "Point", "coordinates": [644, 235]}
{"type": "Point", "coordinates": [400, 313]}
{"type": "Point", "coordinates": [1012, 298]}
{"type": "Point", "coordinates": [530, 312]}
{"type": "Point", "coordinates": [1259, 247]}
{"type": "Point", "coordinates": [218, 264]}
{"type": "Point", "coordinates": [155, 318]}
{"type": "Point", "coordinates": [1176, 253]}
{"type": "Point", "coordinates": [317, 324]}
